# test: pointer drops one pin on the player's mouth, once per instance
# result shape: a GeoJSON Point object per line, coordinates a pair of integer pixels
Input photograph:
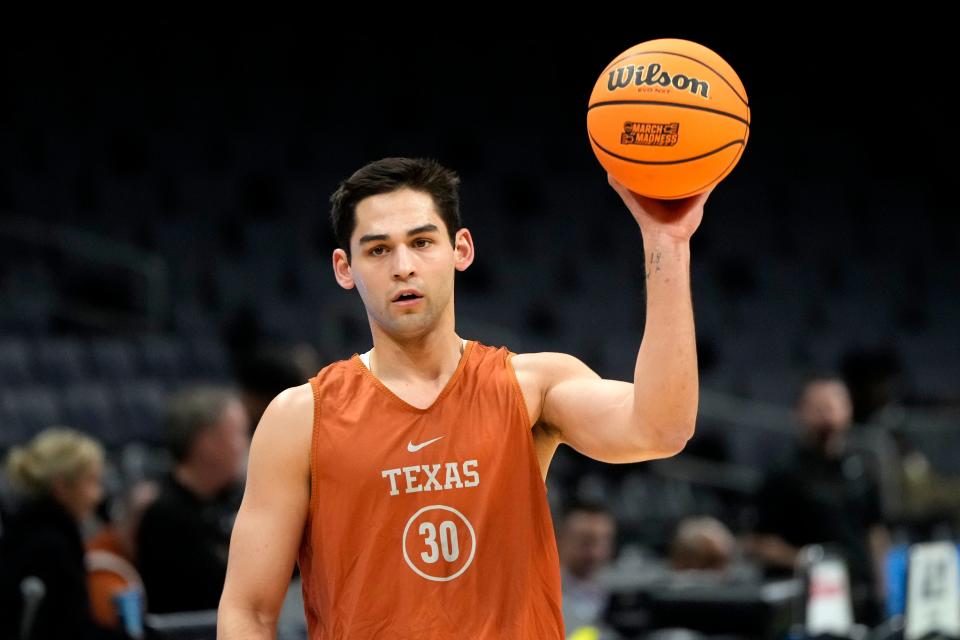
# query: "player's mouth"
{"type": "Point", "coordinates": [408, 298]}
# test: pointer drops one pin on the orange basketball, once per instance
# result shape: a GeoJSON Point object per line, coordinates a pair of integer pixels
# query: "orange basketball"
{"type": "Point", "coordinates": [668, 118]}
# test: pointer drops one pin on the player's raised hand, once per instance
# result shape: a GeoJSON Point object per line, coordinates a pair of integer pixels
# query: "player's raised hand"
{"type": "Point", "coordinates": [675, 218]}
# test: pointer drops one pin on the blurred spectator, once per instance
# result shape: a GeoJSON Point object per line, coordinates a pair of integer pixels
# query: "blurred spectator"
{"type": "Point", "coordinates": [585, 542]}
{"type": "Point", "coordinates": [184, 535]}
{"type": "Point", "coordinates": [60, 475]}
{"type": "Point", "coordinates": [919, 495]}
{"type": "Point", "coordinates": [825, 494]}
{"type": "Point", "coordinates": [931, 499]}
{"type": "Point", "coordinates": [111, 555]}
{"type": "Point", "coordinates": [702, 543]}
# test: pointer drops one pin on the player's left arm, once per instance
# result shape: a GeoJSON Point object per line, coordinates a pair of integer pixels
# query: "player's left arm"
{"type": "Point", "coordinates": [653, 417]}
{"type": "Point", "coordinates": [599, 417]}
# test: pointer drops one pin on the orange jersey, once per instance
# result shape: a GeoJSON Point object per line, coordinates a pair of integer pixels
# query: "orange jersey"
{"type": "Point", "coordinates": [428, 523]}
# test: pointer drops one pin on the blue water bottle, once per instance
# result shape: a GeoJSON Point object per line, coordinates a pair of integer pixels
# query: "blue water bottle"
{"type": "Point", "coordinates": [129, 607]}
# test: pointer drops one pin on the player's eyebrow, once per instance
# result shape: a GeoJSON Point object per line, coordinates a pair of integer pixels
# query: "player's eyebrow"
{"type": "Point", "coordinates": [370, 237]}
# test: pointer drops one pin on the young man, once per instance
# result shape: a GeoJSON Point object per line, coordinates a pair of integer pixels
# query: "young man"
{"type": "Point", "coordinates": [409, 482]}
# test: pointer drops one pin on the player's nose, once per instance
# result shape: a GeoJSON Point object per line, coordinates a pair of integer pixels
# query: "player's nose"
{"type": "Point", "coordinates": [402, 261]}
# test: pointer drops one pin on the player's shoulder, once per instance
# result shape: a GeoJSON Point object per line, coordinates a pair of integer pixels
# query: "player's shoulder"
{"type": "Point", "coordinates": [294, 399]}
{"type": "Point", "coordinates": [544, 365]}
{"type": "Point", "coordinates": [537, 372]}
{"type": "Point", "coordinates": [289, 416]}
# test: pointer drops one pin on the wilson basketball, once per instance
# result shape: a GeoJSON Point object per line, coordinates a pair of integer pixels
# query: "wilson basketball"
{"type": "Point", "coordinates": [668, 118]}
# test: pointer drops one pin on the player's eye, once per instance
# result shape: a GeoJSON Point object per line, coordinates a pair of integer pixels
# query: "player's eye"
{"type": "Point", "coordinates": [372, 251]}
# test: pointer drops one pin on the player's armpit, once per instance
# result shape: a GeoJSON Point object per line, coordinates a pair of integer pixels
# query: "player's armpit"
{"type": "Point", "coordinates": [596, 416]}
{"type": "Point", "coordinates": [266, 534]}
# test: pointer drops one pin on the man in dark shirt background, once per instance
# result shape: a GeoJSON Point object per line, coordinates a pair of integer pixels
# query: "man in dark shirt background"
{"type": "Point", "coordinates": [586, 536]}
{"type": "Point", "coordinates": [826, 493]}
{"type": "Point", "coordinates": [184, 536]}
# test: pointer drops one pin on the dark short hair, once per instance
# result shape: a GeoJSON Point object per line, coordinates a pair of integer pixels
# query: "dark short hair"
{"type": "Point", "coordinates": [192, 410]}
{"type": "Point", "coordinates": [390, 174]}
{"type": "Point", "coordinates": [583, 505]}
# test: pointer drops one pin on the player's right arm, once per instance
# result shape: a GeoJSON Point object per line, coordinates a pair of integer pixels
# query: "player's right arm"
{"type": "Point", "coordinates": [266, 533]}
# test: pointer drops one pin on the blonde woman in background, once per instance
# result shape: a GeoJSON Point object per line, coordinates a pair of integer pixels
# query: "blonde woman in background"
{"type": "Point", "coordinates": [43, 579]}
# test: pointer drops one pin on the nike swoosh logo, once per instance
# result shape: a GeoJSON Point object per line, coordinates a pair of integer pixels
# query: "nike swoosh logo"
{"type": "Point", "coordinates": [416, 447]}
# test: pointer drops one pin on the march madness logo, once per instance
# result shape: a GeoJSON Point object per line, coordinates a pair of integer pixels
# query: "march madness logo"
{"type": "Point", "coordinates": [651, 134]}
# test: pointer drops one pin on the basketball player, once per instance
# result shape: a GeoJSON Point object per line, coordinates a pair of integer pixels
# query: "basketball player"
{"type": "Point", "coordinates": [409, 482]}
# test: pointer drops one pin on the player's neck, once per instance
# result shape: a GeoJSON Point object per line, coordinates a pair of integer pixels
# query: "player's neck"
{"type": "Point", "coordinates": [433, 359]}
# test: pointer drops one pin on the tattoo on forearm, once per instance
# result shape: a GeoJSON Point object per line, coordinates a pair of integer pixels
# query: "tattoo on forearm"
{"type": "Point", "coordinates": [654, 261]}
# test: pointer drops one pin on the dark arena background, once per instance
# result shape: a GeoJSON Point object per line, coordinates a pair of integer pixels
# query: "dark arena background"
{"type": "Point", "coordinates": [165, 230]}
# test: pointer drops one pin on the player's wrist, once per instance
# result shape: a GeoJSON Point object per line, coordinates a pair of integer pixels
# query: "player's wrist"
{"type": "Point", "coordinates": [659, 238]}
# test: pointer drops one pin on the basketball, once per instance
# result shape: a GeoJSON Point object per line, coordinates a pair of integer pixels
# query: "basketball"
{"type": "Point", "coordinates": [668, 118]}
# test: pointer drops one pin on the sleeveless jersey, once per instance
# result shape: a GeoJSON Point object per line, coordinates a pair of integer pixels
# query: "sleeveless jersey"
{"type": "Point", "coordinates": [428, 523]}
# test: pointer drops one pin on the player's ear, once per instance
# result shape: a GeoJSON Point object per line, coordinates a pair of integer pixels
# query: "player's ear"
{"type": "Point", "coordinates": [463, 250]}
{"type": "Point", "coordinates": [341, 269]}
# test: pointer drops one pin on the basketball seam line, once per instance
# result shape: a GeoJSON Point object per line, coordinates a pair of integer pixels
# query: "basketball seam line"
{"type": "Point", "coordinates": [703, 155]}
{"type": "Point", "coordinates": [725, 172]}
{"type": "Point", "coordinates": [679, 105]}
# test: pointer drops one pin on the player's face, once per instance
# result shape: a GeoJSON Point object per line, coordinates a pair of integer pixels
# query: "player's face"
{"type": "Point", "coordinates": [424, 260]}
